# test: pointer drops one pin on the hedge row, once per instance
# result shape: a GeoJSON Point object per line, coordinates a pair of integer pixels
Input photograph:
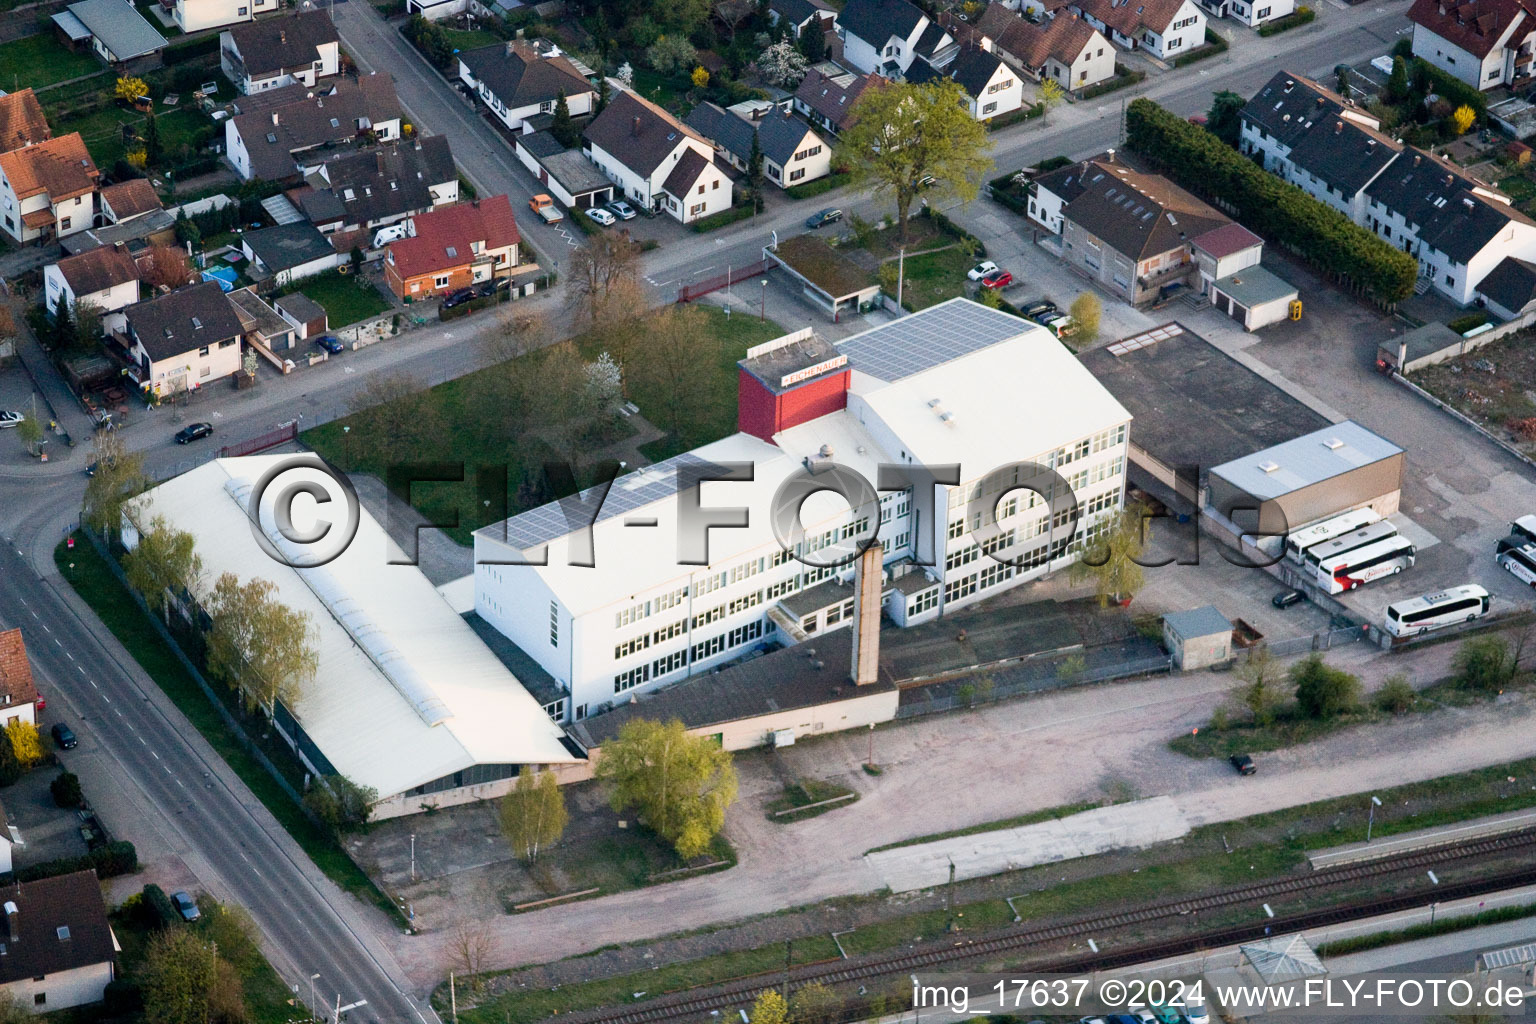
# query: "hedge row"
{"type": "Point", "coordinates": [721, 219]}
{"type": "Point", "coordinates": [1275, 209]}
{"type": "Point", "coordinates": [116, 858]}
{"type": "Point", "coordinates": [1214, 44]}
{"type": "Point", "coordinates": [1300, 16]}
{"type": "Point", "coordinates": [1124, 76]}
{"type": "Point", "coordinates": [1014, 117]}
{"type": "Point", "coordinates": [819, 186]}
{"type": "Point", "coordinates": [202, 46]}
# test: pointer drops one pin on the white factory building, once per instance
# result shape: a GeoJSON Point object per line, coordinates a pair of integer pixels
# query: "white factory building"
{"type": "Point", "coordinates": [954, 384]}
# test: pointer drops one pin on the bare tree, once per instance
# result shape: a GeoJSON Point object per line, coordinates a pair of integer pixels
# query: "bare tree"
{"type": "Point", "coordinates": [1262, 676]}
{"type": "Point", "coordinates": [600, 267]}
{"type": "Point", "coordinates": [165, 265]}
{"type": "Point", "coordinates": [470, 949]}
{"type": "Point", "coordinates": [671, 359]}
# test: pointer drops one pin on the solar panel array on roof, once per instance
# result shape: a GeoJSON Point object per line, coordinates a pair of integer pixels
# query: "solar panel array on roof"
{"type": "Point", "coordinates": [629, 492]}
{"type": "Point", "coordinates": [932, 337]}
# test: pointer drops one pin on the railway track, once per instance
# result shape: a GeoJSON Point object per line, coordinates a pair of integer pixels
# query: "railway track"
{"type": "Point", "coordinates": [693, 1004]}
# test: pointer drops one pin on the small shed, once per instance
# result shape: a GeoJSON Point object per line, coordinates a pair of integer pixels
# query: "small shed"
{"type": "Point", "coordinates": [304, 313]}
{"type": "Point", "coordinates": [1198, 638]}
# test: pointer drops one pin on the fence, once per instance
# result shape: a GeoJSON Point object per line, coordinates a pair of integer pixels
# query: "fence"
{"type": "Point", "coordinates": [691, 291]}
{"type": "Point", "coordinates": [925, 702]}
{"type": "Point", "coordinates": [1320, 641]}
{"type": "Point", "coordinates": [271, 439]}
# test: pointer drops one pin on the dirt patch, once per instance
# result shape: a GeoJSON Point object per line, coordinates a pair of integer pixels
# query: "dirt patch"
{"type": "Point", "coordinates": [1495, 386]}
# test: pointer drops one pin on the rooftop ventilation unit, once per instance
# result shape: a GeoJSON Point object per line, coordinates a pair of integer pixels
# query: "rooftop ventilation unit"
{"type": "Point", "coordinates": [1268, 466]}
{"type": "Point", "coordinates": [1333, 444]}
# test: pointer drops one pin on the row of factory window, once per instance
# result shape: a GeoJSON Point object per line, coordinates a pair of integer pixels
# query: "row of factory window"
{"type": "Point", "coordinates": [989, 485]}
{"type": "Point", "coordinates": [679, 659]}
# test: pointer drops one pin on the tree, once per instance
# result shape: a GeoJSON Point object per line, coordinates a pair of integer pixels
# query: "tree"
{"type": "Point", "coordinates": [118, 476]}
{"type": "Point", "coordinates": [396, 413]}
{"type": "Point", "coordinates": [605, 382]}
{"type": "Point", "coordinates": [769, 1008]}
{"type": "Point", "coordinates": [234, 934]}
{"type": "Point", "coordinates": [1225, 120]}
{"type": "Point", "coordinates": [1051, 93]}
{"type": "Point", "coordinates": [1397, 81]}
{"type": "Point", "coordinates": [563, 128]}
{"type": "Point", "coordinates": [755, 174]}
{"type": "Point", "coordinates": [813, 42]}
{"type": "Point", "coordinates": [625, 75]}
{"type": "Point", "coordinates": [179, 973]}
{"type": "Point", "coordinates": [700, 77]}
{"type": "Point", "coordinates": [603, 90]}
{"type": "Point", "coordinates": [26, 742]}
{"type": "Point", "coordinates": [258, 645]}
{"type": "Point", "coordinates": [899, 135]}
{"type": "Point", "coordinates": [165, 265]}
{"type": "Point", "coordinates": [152, 147]}
{"type": "Point", "coordinates": [340, 804]}
{"type": "Point", "coordinates": [66, 790]}
{"type": "Point", "coordinates": [85, 317]}
{"type": "Point", "coordinates": [671, 55]}
{"type": "Point", "coordinates": [1341, 80]}
{"type": "Point", "coordinates": [533, 814]}
{"type": "Point", "coordinates": [1464, 118]}
{"type": "Point", "coordinates": [12, 1012]}
{"type": "Point", "coordinates": [430, 39]}
{"type": "Point", "coordinates": [1110, 558]}
{"type": "Point", "coordinates": [162, 566]}
{"type": "Point", "coordinates": [1260, 692]}
{"type": "Point", "coordinates": [187, 231]}
{"type": "Point", "coordinates": [1484, 663]}
{"type": "Point", "coordinates": [814, 1003]}
{"type": "Point", "coordinates": [598, 273]}
{"type": "Point", "coordinates": [679, 784]}
{"type": "Point", "coordinates": [10, 768]}
{"type": "Point", "coordinates": [30, 433]}
{"type": "Point", "coordinates": [129, 88]}
{"type": "Point", "coordinates": [1086, 310]}
{"type": "Point", "coordinates": [1322, 691]}
{"type": "Point", "coordinates": [782, 65]}
{"type": "Point", "coordinates": [671, 358]}
{"type": "Point", "coordinates": [471, 952]}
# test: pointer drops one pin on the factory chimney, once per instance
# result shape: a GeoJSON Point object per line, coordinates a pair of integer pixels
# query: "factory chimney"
{"type": "Point", "coordinates": [864, 666]}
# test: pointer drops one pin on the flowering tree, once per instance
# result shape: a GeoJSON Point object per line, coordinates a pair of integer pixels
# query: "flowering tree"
{"type": "Point", "coordinates": [130, 89]}
{"type": "Point", "coordinates": [782, 64]}
{"type": "Point", "coordinates": [625, 75]}
{"type": "Point", "coordinates": [671, 54]}
{"type": "Point", "coordinates": [700, 77]}
{"type": "Point", "coordinates": [605, 381]}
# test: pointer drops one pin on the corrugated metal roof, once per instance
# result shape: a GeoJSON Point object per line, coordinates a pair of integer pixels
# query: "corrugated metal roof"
{"type": "Point", "coordinates": [1306, 460]}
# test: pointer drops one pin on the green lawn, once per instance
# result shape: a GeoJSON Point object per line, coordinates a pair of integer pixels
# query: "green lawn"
{"type": "Point", "coordinates": [103, 131]}
{"type": "Point", "coordinates": [936, 276]}
{"type": "Point", "coordinates": [667, 92]}
{"type": "Point", "coordinates": [461, 40]}
{"type": "Point", "coordinates": [85, 570]}
{"type": "Point", "coordinates": [347, 299]}
{"type": "Point", "coordinates": [42, 60]}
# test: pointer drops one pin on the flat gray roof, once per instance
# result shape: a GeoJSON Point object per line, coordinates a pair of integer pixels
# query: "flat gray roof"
{"type": "Point", "coordinates": [573, 170]}
{"type": "Point", "coordinates": [1206, 621]}
{"type": "Point", "coordinates": [1423, 341]}
{"type": "Point", "coordinates": [120, 28]}
{"type": "Point", "coordinates": [1255, 286]}
{"type": "Point", "coordinates": [71, 26]}
{"type": "Point", "coordinates": [929, 338]}
{"type": "Point", "coordinates": [1306, 460]}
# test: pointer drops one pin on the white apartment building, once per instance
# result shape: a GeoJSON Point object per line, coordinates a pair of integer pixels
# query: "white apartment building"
{"type": "Point", "coordinates": [922, 391]}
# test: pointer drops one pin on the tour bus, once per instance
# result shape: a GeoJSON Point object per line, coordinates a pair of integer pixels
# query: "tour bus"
{"type": "Point", "coordinates": [1422, 614]}
{"type": "Point", "coordinates": [1350, 570]}
{"type": "Point", "coordinates": [1520, 563]}
{"type": "Point", "coordinates": [1521, 532]}
{"type": "Point", "coordinates": [1297, 543]}
{"type": "Point", "coordinates": [1317, 554]}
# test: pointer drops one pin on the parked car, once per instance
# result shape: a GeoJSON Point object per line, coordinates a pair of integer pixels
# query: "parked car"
{"type": "Point", "coordinates": [485, 289]}
{"type": "Point", "coordinates": [981, 270]}
{"type": "Point", "coordinates": [10, 419]}
{"type": "Point", "coordinates": [458, 298]}
{"type": "Point", "coordinates": [186, 906]}
{"type": "Point", "coordinates": [824, 217]}
{"type": "Point", "coordinates": [1286, 598]}
{"type": "Point", "coordinates": [545, 207]}
{"type": "Point", "coordinates": [622, 210]}
{"type": "Point", "coordinates": [1196, 1013]}
{"type": "Point", "coordinates": [1039, 309]}
{"type": "Point", "coordinates": [1243, 763]}
{"type": "Point", "coordinates": [601, 215]}
{"type": "Point", "coordinates": [193, 432]}
{"type": "Point", "coordinates": [64, 736]}
{"type": "Point", "coordinates": [330, 343]}
{"type": "Point", "coordinates": [392, 233]}
{"type": "Point", "coordinates": [1059, 324]}
{"type": "Point", "coordinates": [997, 279]}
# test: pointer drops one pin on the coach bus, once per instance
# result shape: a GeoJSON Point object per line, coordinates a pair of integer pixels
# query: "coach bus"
{"type": "Point", "coordinates": [1296, 544]}
{"type": "Point", "coordinates": [1317, 554]}
{"type": "Point", "coordinates": [1350, 570]}
{"type": "Point", "coordinates": [1520, 563]}
{"type": "Point", "coordinates": [1432, 611]}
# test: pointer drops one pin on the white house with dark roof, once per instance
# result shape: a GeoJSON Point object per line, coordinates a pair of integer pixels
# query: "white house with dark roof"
{"type": "Point", "coordinates": [792, 151]}
{"type": "Point", "coordinates": [1485, 43]}
{"type": "Point", "coordinates": [105, 278]}
{"type": "Point", "coordinates": [274, 134]}
{"type": "Point", "coordinates": [656, 160]}
{"type": "Point", "coordinates": [59, 947]}
{"type": "Point", "coordinates": [827, 95]}
{"type": "Point", "coordinates": [517, 82]}
{"type": "Point", "coordinates": [1164, 28]}
{"type": "Point", "coordinates": [196, 15]}
{"type": "Point", "coordinates": [800, 15]}
{"type": "Point", "coordinates": [117, 33]}
{"type": "Point", "coordinates": [884, 37]}
{"type": "Point", "coordinates": [286, 253]}
{"type": "Point", "coordinates": [275, 52]}
{"type": "Point", "coordinates": [1065, 48]}
{"type": "Point", "coordinates": [363, 191]}
{"type": "Point", "coordinates": [183, 340]}
{"type": "Point", "coordinates": [992, 88]}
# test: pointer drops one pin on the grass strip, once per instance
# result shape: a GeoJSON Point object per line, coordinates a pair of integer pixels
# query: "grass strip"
{"type": "Point", "coordinates": [1444, 926]}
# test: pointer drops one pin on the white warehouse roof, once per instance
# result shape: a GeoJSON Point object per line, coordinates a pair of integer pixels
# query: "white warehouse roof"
{"type": "Point", "coordinates": [1306, 460]}
{"type": "Point", "coordinates": [405, 693]}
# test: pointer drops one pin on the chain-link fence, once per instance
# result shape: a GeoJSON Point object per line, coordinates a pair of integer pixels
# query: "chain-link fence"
{"type": "Point", "coordinates": [986, 688]}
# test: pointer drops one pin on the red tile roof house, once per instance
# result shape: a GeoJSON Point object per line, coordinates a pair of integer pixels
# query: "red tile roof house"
{"type": "Point", "coordinates": [18, 693]}
{"type": "Point", "coordinates": [1485, 43]}
{"type": "Point", "coordinates": [455, 247]}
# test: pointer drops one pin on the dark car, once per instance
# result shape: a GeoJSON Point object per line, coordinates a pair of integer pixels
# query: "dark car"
{"type": "Point", "coordinates": [64, 736]}
{"type": "Point", "coordinates": [186, 906]}
{"type": "Point", "coordinates": [193, 431]}
{"type": "Point", "coordinates": [458, 298]}
{"type": "Point", "coordinates": [1286, 598]}
{"type": "Point", "coordinates": [827, 216]}
{"type": "Point", "coordinates": [1037, 309]}
{"type": "Point", "coordinates": [1243, 763]}
{"type": "Point", "coordinates": [485, 289]}
{"type": "Point", "coordinates": [330, 343]}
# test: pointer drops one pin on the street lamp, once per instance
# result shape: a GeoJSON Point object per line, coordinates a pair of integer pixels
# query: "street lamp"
{"type": "Point", "coordinates": [312, 979]}
{"type": "Point", "coordinates": [763, 310]}
{"type": "Point", "coordinates": [413, 856]}
{"type": "Point", "coordinates": [1371, 821]}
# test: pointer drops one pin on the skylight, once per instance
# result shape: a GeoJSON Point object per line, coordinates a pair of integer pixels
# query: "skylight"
{"type": "Point", "coordinates": [453, 251]}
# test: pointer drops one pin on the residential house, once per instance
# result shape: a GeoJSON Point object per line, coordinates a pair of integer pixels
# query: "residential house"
{"type": "Point", "coordinates": [1050, 193]}
{"type": "Point", "coordinates": [288, 252]}
{"type": "Point", "coordinates": [279, 133]}
{"type": "Point", "coordinates": [656, 160]}
{"type": "Point", "coordinates": [1164, 28]}
{"type": "Point", "coordinates": [106, 278]}
{"type": "Point", "coordinates": [10, 835]}
{"type": "Point", "coordinates": [518, 82]}
{"type": "Point", "coordinates": [59, 948]}
{"type": "Point", "coordinates": [1484, 43]}
{"type": "Point", "coordinates": [298, 48]}
{"type": "Point", "coordinates": [18, 692]}
{"type": "Point", "coordinates": [453, 248]}
{"type": "Point", "coordinates": [792, 151]}
{"type": "Point", "coordinates": [47, 189]}
{"type": "Point", "coordinates": [22, 122]}
{"type": "Point", "coordinates": [992, 88]}
{"type": "Point", "coordinates": [884, 37]}
{"type": "Point", "coordinates": [115, 31]}
{"type": "Point", "coordinates": [800, 15]}
{"type": "Point", "coordinates": [828, 93]}
{"type": "Point", "coordinates": [1252, 13]}
{"type": "Point", "coordinates": [127, 200]}
{"type": "Point", "coordinates": [196, 15]}
{"type": "Point", "coordinates": [1065, 49]}
{"type": "Point", "coordinates": [183, 340]}
{"type": "Point", "coordinates": [375, 188]}
{"type": "Point", "coordinates": [565, 174]}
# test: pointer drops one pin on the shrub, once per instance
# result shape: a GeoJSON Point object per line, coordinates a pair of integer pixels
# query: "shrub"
{"type": "Point", "coordinates": [122, 998]}
{"type": "Point", "coordinates": [1214, 44]}
{"type": "Point", "coordinates": [820, 185]}
{"type": "Point", "coordinates": [1124, 76]}
{"type": "Point", "coordinates": [157, 910]}
{"type": "Point", "coordinates": [721, 219]}
{"type": "Point", "coordinates": [1322, 691]}
{"type": "Point", "coordinates": [1484, 663]}
{"type": "Point", "coordinates": [1396, 695]}
{"type": "Point", "coordinates": [1463, 324]}
{"type": "Point", "coordinates": [1298, 17]}
{"type": "Point", "coordinates": [66, 790]}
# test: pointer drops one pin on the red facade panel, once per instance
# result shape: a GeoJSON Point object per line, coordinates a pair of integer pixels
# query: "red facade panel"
{"type": "Point", "coordinates": [762, 413]}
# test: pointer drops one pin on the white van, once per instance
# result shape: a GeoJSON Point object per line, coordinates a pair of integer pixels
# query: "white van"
{"type": "Point", "coordinates": [393, 233]}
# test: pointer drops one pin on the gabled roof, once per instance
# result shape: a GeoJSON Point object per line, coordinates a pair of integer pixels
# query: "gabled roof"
{"type": "Point", "coordinates": [1474, 25]}
{"type": "Point", "coordinates": [875, 21]}
{"type": "Point", "coordinates": [1511, 284]}
{"type": "Point", "coordinates": [445, 238]}
{"type": "Point", "coordinates": [830, 100]}
{"type": "Point", "coordinates": [1138, 215]}
{"type": "Point", "coordinates": [22, 121]}
{"type": "Point", "coordinates": [1065, 182]}
{"type": "Point", "coordinates": [386, 182]}
{"type": "Point", "coordinates": [120, 27]}
{"type": "Point", "coordinates": [520, 77]}
{"type": "Point", "coordinates": [60, 925]}
{"type": "Point", "coordinates": [637, 132]}
{"type": "Point", "coordinates": [1228, 240]}
{"type": "Point", "coordinates": [973, 69]}
{"type": "Point", "coordinates": [15, 671]}
{"type": "Point", "coordinates": [185, 319]}
{"type": "Point", "coordinates": [288, 245]}
{"type": "Point", "coordinates": [278, 123]}
{"type": "Point", "coordinates": [779, 133]}
{"type": "Point", "coordinates": [1129, 17]}
{"type": "Point", "coordinates": [1062, 38]}
{"type": "Point", "coordinates": [96, 270]}
{"type": "Point", "coordinates": [279, 44]}
{"type": "Point", "coordinates": [687, 171]}
{"type": "Point", "coordinates": [798, 12]}
{"type": "Point", "coordinates": [60, 167]}
{"type": "Point", "coordinates": [1434, 194]}
{"type": "Point", "coordinates": [1289, 105]}
{"type": "Point", "coordinates": [131, 198]}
